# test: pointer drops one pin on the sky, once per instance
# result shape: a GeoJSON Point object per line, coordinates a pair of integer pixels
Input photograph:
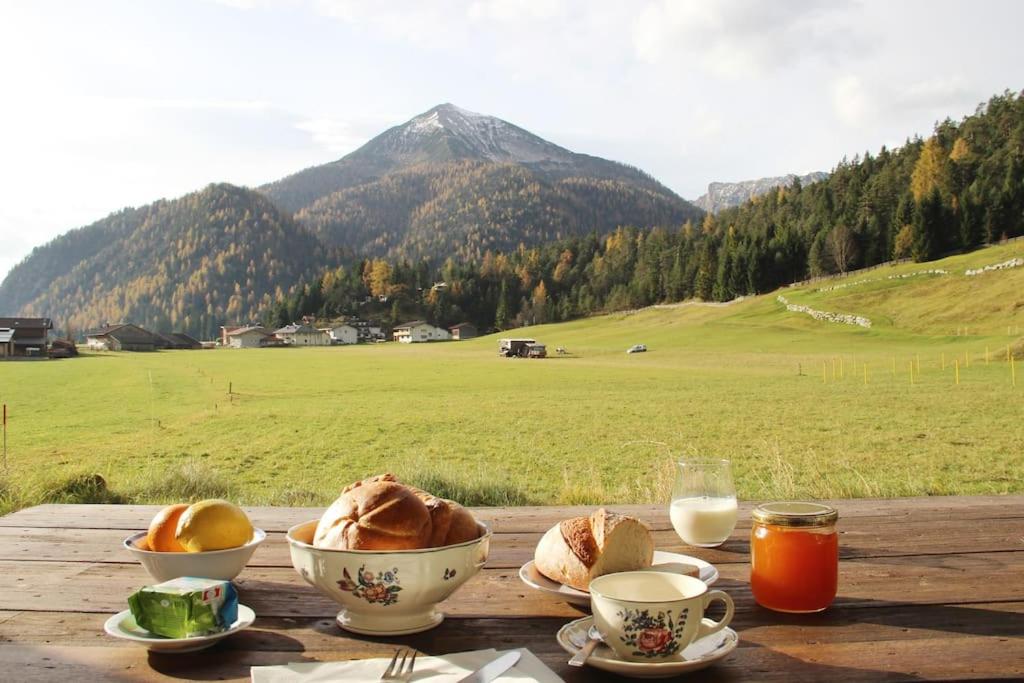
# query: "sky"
{"type": "Point", "coordinates": [106, 104]}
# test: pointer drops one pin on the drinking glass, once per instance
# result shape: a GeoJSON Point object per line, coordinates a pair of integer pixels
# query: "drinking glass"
{"type": "Point", "coordinates": [703, 509]}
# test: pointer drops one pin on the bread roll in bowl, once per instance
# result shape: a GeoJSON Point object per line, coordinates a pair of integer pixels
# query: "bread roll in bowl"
{"type": "Point", "coordinates": [381, 513]}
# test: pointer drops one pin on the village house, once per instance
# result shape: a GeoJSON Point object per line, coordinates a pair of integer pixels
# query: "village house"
{"type": "Point", "coordinates": [24, 337]}
{"type": "Point", "coordinates": [463, 331]}
{"type": "Point", "coordinates": [249, 337]}
{"type": "Point", "coordinates": [226, 330]}
{"type": "Point", "coordinates": [177, 341]}
{"type": "Point", "coordinates": [300, 334]}
{"type": "Point", "coordinates": [419, 331]}
{"type": "Point", "coordinates": [368, 331]}
{"type": "Point", "coordinates": [122, 337]}
{"type": "Point", "coordinates": [342, 334]}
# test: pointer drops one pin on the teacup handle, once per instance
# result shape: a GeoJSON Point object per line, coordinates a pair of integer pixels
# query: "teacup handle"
{"type": "Point", "coordinates": [710, 597]}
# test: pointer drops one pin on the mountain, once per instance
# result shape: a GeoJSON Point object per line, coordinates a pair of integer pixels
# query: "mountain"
{"type": "Point", "coordinates": [186, 264]}
{"type": "Point", "coordinates": [727, 195]}
{"type": "Point", "coordinates": [444, 134]}
{"type": "Point", "coordinates": [447, 183]}
{"type": "Point", "coordinates": [450, 182]}
{"type": "Point", "coordinates": [464, 209]}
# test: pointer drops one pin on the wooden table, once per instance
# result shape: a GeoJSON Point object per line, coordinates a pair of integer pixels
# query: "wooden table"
{"type": "Point", "coordinates": [930, 588]}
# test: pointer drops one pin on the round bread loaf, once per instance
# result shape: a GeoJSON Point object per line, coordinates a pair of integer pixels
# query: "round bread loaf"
{"type": "Point", "coordinates": [376, 514]}
{"type": "Point", "coordinates": [451, 523]}
{"type": "Point", "coordinates": [580, 549]}
{"type": "Point", "coordinates": [381, 513]}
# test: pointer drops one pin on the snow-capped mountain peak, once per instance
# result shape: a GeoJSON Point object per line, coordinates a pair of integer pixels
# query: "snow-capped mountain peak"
{"type": "Point", "coordinates": [450, 131]}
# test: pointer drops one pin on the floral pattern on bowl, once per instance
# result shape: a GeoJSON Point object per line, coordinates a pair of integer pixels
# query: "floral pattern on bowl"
{"type": "Point", "coordinates": [651, 636]}
{"type": "Point", "coordinates": [381, 588]}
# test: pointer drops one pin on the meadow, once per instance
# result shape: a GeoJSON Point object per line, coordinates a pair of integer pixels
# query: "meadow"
{"type": "Point", "coordinates": [803, 408]}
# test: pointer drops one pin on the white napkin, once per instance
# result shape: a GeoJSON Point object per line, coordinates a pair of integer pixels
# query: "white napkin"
{"type": "Point", "coordinates": [443, 669]}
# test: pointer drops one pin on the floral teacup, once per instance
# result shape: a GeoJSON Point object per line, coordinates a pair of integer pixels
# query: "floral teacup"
{"type": "Point", "coordinates": [651, 616]}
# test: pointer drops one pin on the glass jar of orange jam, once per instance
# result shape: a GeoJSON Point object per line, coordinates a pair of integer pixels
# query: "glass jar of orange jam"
{"type": "Point", "coordinates": [794, 556]}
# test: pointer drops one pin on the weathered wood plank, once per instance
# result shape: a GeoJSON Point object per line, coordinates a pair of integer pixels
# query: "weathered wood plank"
{"type": "Point", "coordinates": [278, 591]}
{"type": "Point", "coordinates": [927, 591]}
{"type": "Point", "coordinates": [522, 519]}
{"type": "Point", "coordinates": [859, 537]}
{"type": "Point", "coordinates": [961, 658]}
{"type": "Point", "coordinates": [758, 626]}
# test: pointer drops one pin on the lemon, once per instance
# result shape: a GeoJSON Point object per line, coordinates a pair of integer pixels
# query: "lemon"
{"type": "Point", "coordinates": [213, 525]}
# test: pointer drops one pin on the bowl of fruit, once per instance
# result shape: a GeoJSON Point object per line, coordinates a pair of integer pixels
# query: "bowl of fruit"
{"type": "Point", "coordinates": [212, 539]}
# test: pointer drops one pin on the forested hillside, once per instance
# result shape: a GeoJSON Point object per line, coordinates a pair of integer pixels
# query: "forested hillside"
{"type": "Point", "coordinates": [959, 188]}
{"type": "Point", "coordinates": [463, 209]}
{"type": "Point", "coordinates": [223, 253]}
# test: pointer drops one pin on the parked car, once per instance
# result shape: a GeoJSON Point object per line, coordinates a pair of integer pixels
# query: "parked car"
{"type": "Point", "coordinates": [536, 351]}
{"type": "Point", "coordinates": [636, 348]}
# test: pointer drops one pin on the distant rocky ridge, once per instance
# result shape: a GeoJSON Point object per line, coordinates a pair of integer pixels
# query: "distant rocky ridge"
{"type": "Point", "coordinates": [726, 195]}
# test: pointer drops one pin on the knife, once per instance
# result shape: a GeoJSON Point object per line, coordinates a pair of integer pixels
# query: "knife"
{"type": "Point", "coordinates": [488, 672]}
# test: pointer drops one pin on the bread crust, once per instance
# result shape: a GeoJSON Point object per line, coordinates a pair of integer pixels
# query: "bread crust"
{"type": "Point", "coordinates": [581, 538]}
{"type": "Point", "coordinates": [381, 513]}
{"type": "Point", "coordinates": [571, 551]}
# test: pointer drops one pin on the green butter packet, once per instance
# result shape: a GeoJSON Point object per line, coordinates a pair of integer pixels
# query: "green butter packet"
{"type": "Point", "coordinates": [185, 607]}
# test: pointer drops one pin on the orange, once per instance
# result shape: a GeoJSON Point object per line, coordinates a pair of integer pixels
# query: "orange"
{"type": "Point", "coordinates": [162, 529]}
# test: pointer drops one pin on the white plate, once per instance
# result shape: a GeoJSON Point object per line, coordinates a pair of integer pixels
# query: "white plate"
{"type": "Point", "coordinates": [663, 561]}
{"type": "Point", "coordinates": [122, 625]}
{"type": "Point", "coordinates": [699, 654]}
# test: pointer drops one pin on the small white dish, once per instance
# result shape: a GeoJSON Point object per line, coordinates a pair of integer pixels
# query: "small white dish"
{"type": "Point", "coordinates": [700, 654]}
{"type": "Point", "coordinates": [122, 625]}
{"type": "Point", "coordinates": [663, 561]}
{"type": "Point", "coordinates": [211, 564]}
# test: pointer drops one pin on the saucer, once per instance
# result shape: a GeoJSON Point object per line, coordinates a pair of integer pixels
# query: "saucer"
{"type": "Point", "coordinates": [122, 625]}
{"type": "Point", "coordinates": [662, 562]}
{"type": "Point", "coordinates": [699, 654]}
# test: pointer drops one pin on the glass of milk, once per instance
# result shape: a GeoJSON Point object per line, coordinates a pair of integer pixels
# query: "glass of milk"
{"type": "Point", "coordinates": [703, 509]}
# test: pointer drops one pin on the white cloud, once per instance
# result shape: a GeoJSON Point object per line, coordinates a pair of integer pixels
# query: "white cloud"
{"type": "Point", "coordinates": [737, 38]}
{"type": "Point", "coordinates": [853, 105]}
{"type": "Point", "coordinates": [860, 103]}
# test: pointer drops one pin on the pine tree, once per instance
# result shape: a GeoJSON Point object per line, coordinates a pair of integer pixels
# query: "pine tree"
{"type": "Point", "coordinates": [501, 314]}
{"type": "Point", "coordinates": [928, 223]}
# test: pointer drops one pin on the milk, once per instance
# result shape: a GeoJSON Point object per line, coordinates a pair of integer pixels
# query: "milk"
{"type": "Point", "coordinates": [703, 521]}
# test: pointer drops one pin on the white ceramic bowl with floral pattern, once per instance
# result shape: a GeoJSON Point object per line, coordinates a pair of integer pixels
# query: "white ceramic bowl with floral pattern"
{"type": "Point", "coordinates": [387, 592]}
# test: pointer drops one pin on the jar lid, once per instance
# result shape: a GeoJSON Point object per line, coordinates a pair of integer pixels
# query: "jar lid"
{"type": "Point", "coordinates": [795, 514]}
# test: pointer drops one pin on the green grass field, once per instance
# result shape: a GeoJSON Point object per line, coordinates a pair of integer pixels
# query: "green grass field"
{"type": "Point", "coordinates": [743, 381]}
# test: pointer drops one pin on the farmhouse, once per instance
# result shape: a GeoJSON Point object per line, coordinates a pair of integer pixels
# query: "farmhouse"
{"type": "Point", "coordinates": [123, 337]}
{"type": "Point", "coordinates": [300, 334]}
{"type": "Point", "coordinates": [342, 334]}
{"type": "Point", "coordinates": [368, 331]}
{"type": "Point", "coordinates": [226, 330]}
{"type": "Point", "coordinates": [463, 331]}
{"type": "Point", "coordinates": [251, 337]}
{"type": "Point", "coordinates": [419, 331]}
{"type": "Point", "coordinates": [24, 337]}
{"type": "Point", "coordinates": [177, 341]}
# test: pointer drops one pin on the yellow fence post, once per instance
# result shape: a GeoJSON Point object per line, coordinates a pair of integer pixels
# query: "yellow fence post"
{"type": "Point", "coordinates": [911, 373]}
{"type": "Point", "coordinates": [824, 372]}
{"type": "Point", "coordinates": [956, 364]}
{"type": "Point", "coordinates": [967, 359]}
{"type": "Point", "coordinates": [1013, 372]}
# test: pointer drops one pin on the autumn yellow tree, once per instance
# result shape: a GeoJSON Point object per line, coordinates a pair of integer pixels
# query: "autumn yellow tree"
{"type": "Point", "coordinates": [540, 303]}
{"type": "Point", "coordinates": [929, 171]}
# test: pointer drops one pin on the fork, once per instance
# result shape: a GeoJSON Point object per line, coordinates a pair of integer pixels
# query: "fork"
{"type": "Point", "coordinates": [397, 670]}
